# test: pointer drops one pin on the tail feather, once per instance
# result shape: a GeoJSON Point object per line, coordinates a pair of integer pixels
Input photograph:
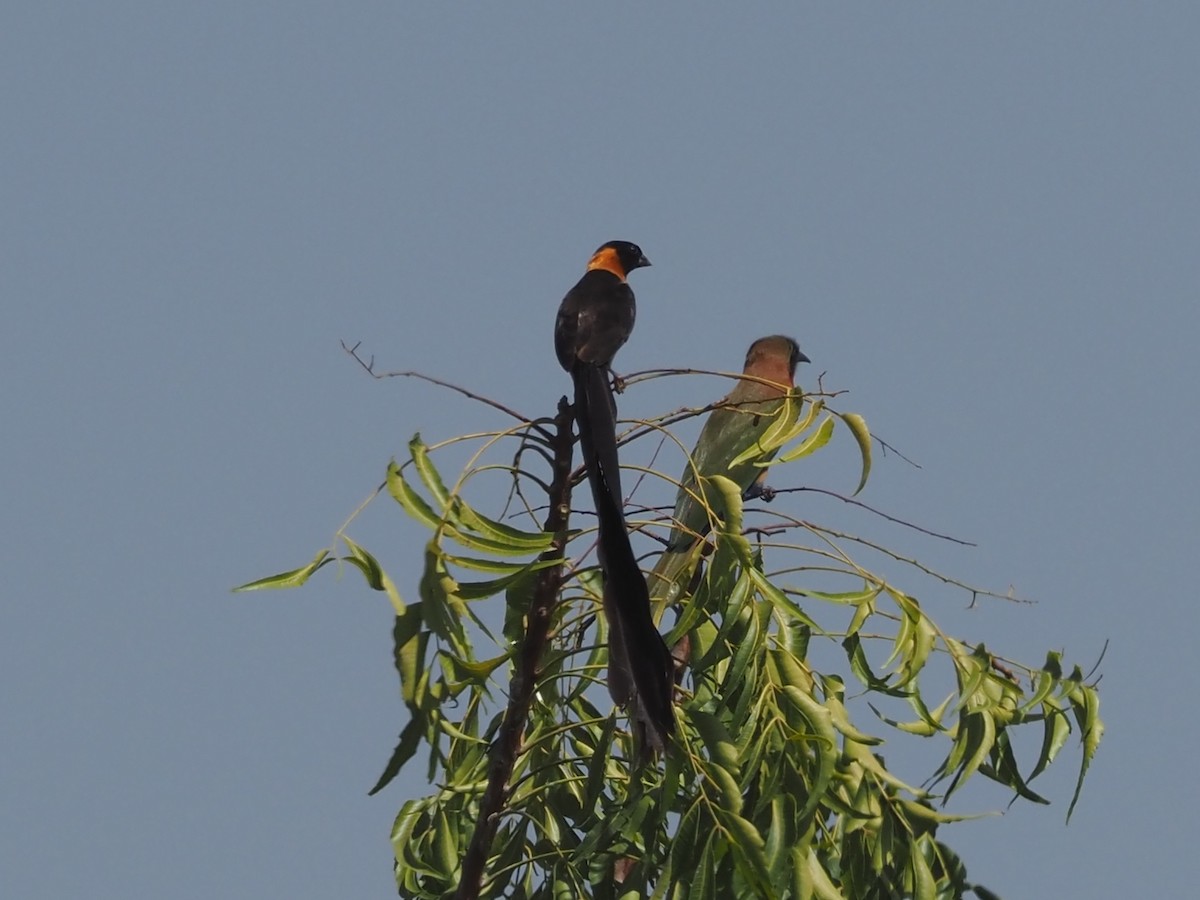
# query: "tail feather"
{"type": "Point", "coordinates": [641, 670]}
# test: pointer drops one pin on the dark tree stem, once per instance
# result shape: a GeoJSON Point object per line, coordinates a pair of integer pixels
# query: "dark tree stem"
{"type": "Point", "coordinates": [507, 746]}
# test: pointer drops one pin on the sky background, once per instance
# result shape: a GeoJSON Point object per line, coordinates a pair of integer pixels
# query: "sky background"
{"type": "Point", "coordinates": [982, 222]}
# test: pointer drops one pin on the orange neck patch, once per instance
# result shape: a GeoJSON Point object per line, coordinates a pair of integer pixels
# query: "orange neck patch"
{"type": "Point", "coordinates": [607, 260]}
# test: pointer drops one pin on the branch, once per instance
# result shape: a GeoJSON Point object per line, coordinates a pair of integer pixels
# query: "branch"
{"type": "Point", "coordinates": [369, 366]}
{"type": "Point", "coordinates": [853, 502]}
{"type": "Point", "coordinates": [507, 745]}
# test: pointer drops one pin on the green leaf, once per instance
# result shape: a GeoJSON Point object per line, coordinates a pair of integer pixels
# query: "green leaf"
{"type": "Point", "coordinates": [412, 502]}
{"type": "Point", "coordinates": [861, 669]}
{"type": "Point", "coordinates": [812, 443]}
{"type": "Point", "coordinates": [747, 847]}
{"type": "Point", "coordinates": [484, 544]}
{"type": "Point", "coordinates": [820, 722]}
{"type": "Point", "coordinates": [428, 472]}
{"type": "Point", "coordinates": [684, 848]}
{"type": "Point", "coordinates": [780, 600]}
{"type": "Point", "coordinates": [1085, 703]}
{"type": "Point", "coordinates": [376, 577]}
{"type": "Point", "coordinates": [781, 429]}
{"type": "Point", "coordinates": [409, 644]}
{"type": "Point", "coordinates": [979, 729]}
{"type": "Point", "coordinates": [789, 670]}
{"type": "Point", "coordinates": [716, 739]}
{"type": "Point", "coordinates": [1004, 769]}
{"type": "Point", "coordinates": [1056, 727]}
{"type": "Point", "coordinates": [294, 578]}
{"type": "Point", "coordinates": [728, 495]}
{"type": "Point", "coordinates": [406, 746]}
{"type": "Point", "coordinates": [924, 884]}
{"type": "Point", "coordinates": [838, 714]}
{"type": "Point", "coordinates": [472, 671]}
{"type": "Point", "coordinates": [822, 887]}
{"type": "Point", "coordinates": [786, 426]}
{"type": "Point", "coordinates": [928, 724]}
{"type": "Point", "coordinates": [444, 609]}
{"type": "Point", "coordinates": [527, 542]}
{"type": "Point", "coordinates": [729, 793]}
{"type": "Point", "coordinates": [862, 435]}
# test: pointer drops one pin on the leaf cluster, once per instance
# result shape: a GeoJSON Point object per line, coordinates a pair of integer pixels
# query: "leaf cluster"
{"type": "Point", "coordinates": [772, 789]}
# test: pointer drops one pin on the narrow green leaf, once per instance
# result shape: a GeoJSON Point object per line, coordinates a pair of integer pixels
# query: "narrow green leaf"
{"type": "Point", "coordinates": [1056, 728]}
{"type": "Point", "coordinates": [868, 593]}
{"type": "Point", "coordinates": [428, 472]}
{"type": "Point", "coordinates": [802, 880]}
{"type": "Point", "coordinates": [597, 766]}
{"type": "Point", "coordinates": [981, 735]}
{"type": "Point", "coordinates": [921, 810]}
{"type": "Point", "coordinates": [870, 761]}
{"type": "Point", "coordinates": [728, 496]}
{"type": "Point", "coordinates": [685, 849]}
{"type": "Point", "coordinates": [861, 669]}
{"type": "Point", "coordinates": [929, 723]}
{"type": "Point", "coordinates": [820, 721]}
{"type": "Point", "coordinates": [376, 577]}
{"type": "Point", "coordinates": [1085, 702]}
{"type": "Point", "coordinates": [812, 443]}
{"type": "Point", "coordinates": [729, 793]}
{"type": "Point", "coordinates": [703, 885]}
{"type": "Point", "coordinates": [406, 746]}
{"type": "Point", "coordinates": [839, 716]}
{"type": "Point", "coordinates": [473, 671]}
{"type": "Point", "coordinates": [780, 600]}
{"type": "Point", "coordinates": [716, 739]}
{"type": "Point", "coordinates": [414, 504]}
{"type": "Point", "coordinates": [823, 887]}
{"type": "Point", "coordinates": [294, 578]}
{"type": "Point", "coordinates": [1046, 683]}
{"type": "Point", "coordinates": [485, 544]}
{"type": "Point", "coordinates": [527, 541]}
{"type": "Point", "coordinates": [790, 670]}
{"type": "Point", "coordinates": [444, 609]}
{"type": "Point", "coordinates": [862, 435]}
{"type": "Point", "coordinates": [1004, 770]}
{"type": "Point", "coordinates": [924, 884]}
{"type": "Point", "coordinates": [782, 428]}
{"type": "Point", "coordinates": [747, 846]}
{"type": "Point", "coordinates": [409, 644]}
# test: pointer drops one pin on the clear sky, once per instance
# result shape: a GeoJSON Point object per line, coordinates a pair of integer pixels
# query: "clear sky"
{"type": "Point", "coordinates": [982, 221]}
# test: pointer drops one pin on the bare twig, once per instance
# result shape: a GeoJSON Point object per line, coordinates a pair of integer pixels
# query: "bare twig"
{"type": "Point", "coordinates": [853, 502]}
{"type": "Point", "coordinates": [369, 366]}
{"type": "Point", "coordinates": [507, 745]}
{"type": "Point", "coordinates": [789, 523]}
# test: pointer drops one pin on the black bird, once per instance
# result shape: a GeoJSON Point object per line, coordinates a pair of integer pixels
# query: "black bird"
{"type": "Point", "coordinates": [594, 321]}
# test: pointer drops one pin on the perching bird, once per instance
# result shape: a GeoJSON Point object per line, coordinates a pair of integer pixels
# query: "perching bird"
{"type": "Point", "coordinates": [739, 422]}
{"type": "Point", "coordinates": [594, 320]}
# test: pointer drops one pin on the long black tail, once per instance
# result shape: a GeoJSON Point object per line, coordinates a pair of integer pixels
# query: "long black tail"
{"type": "Point", "coordinates": [640, 668]}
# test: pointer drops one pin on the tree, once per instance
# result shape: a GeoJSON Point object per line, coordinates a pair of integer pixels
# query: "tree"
{"type": "Point", "coordinates": [773, 786]}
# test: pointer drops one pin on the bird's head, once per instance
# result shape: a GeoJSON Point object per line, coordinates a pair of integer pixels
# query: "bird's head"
{"type": "Point", "coordinates": [776, 347]}
{"type": "Point", "coordinates": [618, 257]}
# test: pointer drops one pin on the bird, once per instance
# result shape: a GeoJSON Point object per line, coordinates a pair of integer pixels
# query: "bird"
{"type": "Point", "coordinates": [739, 422]}
{"type": "Point", "coordinates": [594, 321]}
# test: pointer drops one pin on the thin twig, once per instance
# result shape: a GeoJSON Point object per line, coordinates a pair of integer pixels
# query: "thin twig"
{"type": "Point", "coordinates": [369, 366]}
{"type": "Point", "coordinates": [507, 746]}
{"type": "Point", "coordinates": [853, 502]}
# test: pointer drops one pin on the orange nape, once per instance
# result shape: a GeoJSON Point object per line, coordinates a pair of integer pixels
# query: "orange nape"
{"type": "Point", "coordinates": [607, 260]}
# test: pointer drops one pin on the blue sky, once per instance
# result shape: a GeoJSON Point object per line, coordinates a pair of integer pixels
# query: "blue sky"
{"type": "Point", "coordinates": [982, 222]}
